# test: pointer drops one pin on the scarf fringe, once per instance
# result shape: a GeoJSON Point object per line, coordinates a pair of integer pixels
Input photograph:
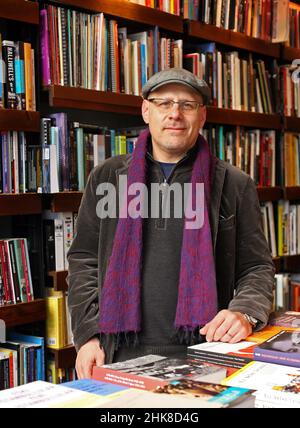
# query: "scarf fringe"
{"type": "Point", "coordinates": [183, 336]}
{"type": "Point", "coordinates": [188, 336]}
{"type": "Point", "coordinates": [127, 339]}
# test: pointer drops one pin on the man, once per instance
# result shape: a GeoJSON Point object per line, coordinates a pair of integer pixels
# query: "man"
{"type": "Point", "coordinates": [142, 284]}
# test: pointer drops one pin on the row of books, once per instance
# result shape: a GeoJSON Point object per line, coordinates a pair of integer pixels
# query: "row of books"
{"type": "Point", "coordinates": [288, 228]}
{"type": "Point", "coordinates": [22, 360]}
{"type": "Point", "coordinates": [175, 7]}
{"type": "Point", "coordinates": [251, 150]}
{"type": "Point", "coordinates": [58, 375]}
{"type": "Point", "coordinates": [17, 75]}
{"type": "Point", "coordinates": [267, 20]}
{"type": "Point", "coordinates": [287, 292]}
{"type": "Point", "coordinates": [289, 159]}
{"type": "Point", "coordinates": [93, 52]}
{"type": "Point", "coordinates": [290, 90]}
{"type": "Point", "coordinates": [70, 150]}
{"type": "Point", "coordinates": [283, 235]}
{"type": "Point", "coordinates": [76, 148]}
{"type": "Point", "coordinates": [58, 322]}
{"type": "Point", "coordinates": [237, 82]}
{"type": "Point", "coordinates": [58, 229]}
{"type": "Point", "coordinates": [15, 272]}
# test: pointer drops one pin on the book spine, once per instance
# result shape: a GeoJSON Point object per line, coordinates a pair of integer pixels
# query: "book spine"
{"type": "Point", "coordinates": [8, 48]}
{"type": "Point", "coordinates": [20, 76]}
{"type": "Point", "coordinates": [25, 262]}
{"type": "Point", "coordinates": [45, 51]}
{"type": "Point", "coordinates": [16, 284]}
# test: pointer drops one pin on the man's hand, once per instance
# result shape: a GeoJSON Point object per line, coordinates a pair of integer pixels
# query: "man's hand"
{"type": "Point", "coordinates": [227, 326]}
{"type": "Point", "coordinates": [89, 354]}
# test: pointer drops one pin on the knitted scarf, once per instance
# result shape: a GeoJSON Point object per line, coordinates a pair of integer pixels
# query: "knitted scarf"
{"type": "Point", "coordinates": [120, 300]}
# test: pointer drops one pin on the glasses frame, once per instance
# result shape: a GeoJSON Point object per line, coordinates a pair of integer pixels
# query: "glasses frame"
{"type": "Point", "coordinates": [180, 103]}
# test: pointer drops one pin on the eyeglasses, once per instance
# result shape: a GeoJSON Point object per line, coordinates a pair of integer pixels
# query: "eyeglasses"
{"type": "Point", "coordinates": [185, 106]}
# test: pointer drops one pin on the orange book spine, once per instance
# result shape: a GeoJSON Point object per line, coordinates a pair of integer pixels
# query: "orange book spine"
{"type": "Point", "coordinates": [28, 76]}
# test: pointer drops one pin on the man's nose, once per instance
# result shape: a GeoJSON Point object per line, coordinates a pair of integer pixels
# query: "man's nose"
{"type": "Point", "coordinates": [175, 111]}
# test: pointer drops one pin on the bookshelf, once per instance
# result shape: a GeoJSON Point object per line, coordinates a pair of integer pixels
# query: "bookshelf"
{"type": "Point", "coordinates": [19, 120]}
{"type": "Point", "coordinates": [23, 313]}
{"type": "Point", "coordinates": [20, 204]}
{"type": "Point", "coordinates": [58, 279]}
{"type": "Point", "coordinates": [232, 39]}
{"type": "Point", "coordinates": [87, 99]}
{"type": "Point", "coordinates": [20, 10]}
{"type": "Point", "coordinates": [291, 124]}
{"type": "Point", "coordinates": [64, 357]}
{"type": "Point", "coordinates": [132, 12]}
{"type": "Point", "coordinates": [63, 201]}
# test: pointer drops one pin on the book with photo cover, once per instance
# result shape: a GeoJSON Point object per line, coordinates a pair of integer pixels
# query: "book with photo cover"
{"type": "Point", "coordinates": [283, 348]}
{"type": "Point", "coordinates": [290, 319]}
{"type": "Point", "coordinates": [151, 371]}
{"type": "Point", "coordinates": [186, 393]}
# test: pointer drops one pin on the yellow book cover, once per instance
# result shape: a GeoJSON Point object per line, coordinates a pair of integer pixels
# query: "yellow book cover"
{"type": "Point", "coordinates": [55, 322]}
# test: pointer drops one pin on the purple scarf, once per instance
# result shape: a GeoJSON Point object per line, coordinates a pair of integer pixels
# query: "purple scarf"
{"type": "Point", "coordinates": [120, 303]}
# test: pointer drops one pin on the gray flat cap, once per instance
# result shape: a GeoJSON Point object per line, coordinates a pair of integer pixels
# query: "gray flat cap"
{"type": "Point", "coordinates": [177, 75]}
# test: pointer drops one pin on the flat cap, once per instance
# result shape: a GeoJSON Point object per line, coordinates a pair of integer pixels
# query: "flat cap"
{"type": "Point", "coordinates": [177, 75]}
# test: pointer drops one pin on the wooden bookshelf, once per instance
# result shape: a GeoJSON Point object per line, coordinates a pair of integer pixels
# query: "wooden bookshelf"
{"type": "Point", "coordinates": [277, 263]}
{"type": "Point", "coordinates": [59, 280]}
{"type": "Point", "coordinates": [231, 38]}
{"type": "Point", "coordinates": [290, 263]}
{"type": "Point", "coordinates": [288, 53]}
{"type": "Point", "coordinates": [62, 202]}
{"type": "Point", "coordinates": [64, 357]}
{"type": "Point", "coordinates": [291, 193]}
{"type": "Point", "coordinates": [20, 203]}
{"type": "Point", "coordinates": [291, 123]}
{"type": "Point", "coordinates": [20, 10]}
{"type": "Point", "coordinates": [19, 120]}
{"type": "Point", "coordinates": [269, 193]}
{"type": "Point", "coordinates": [124, 9]}
{"type": "Point", "coordinates": [243, 118]}
{"type": "Point", "coordinates": [87, 99]}
{"type": "Point", "coordinates": [23, 313]}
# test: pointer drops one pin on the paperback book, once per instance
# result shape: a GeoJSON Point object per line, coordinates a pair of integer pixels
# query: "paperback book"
{"type": "Point", "coordinates": [152, 371]}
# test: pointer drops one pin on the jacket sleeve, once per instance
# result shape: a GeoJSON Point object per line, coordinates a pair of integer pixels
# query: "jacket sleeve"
{"type": "Point", "coordinates": [83, 269]}
{"type": "Point", "coordinates": [254, 275]}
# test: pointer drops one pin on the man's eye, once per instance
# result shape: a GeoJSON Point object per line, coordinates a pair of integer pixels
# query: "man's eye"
{"type": "Point", "coordinates": [165, 104]}
{"type": "Point", "coordinates": [188, 106]}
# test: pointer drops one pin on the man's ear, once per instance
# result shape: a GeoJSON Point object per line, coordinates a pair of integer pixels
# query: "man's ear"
{"type": "Point", "coordinates": [145, 111]}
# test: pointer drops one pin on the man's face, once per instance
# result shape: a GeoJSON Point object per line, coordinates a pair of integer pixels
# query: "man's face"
{"type": "Point", "coordinates": [173, 132]}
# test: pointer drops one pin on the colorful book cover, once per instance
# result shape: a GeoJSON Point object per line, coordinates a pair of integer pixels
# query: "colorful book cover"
{"type": "Point", "coordinates": [283, 348]}
{"type": "Point", "coordinates": [154, 370]}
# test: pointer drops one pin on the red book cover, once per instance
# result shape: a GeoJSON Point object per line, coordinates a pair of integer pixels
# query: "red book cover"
{"type": "Point", "coordinates": [151, 371]}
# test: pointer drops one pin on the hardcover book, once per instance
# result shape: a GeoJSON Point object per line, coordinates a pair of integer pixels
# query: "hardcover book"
{"type": "Point", "coordinates": [152, 371]}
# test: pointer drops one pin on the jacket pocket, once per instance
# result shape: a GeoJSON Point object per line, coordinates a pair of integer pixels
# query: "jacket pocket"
{"type": "Point", "coordinates": [226, 222]}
